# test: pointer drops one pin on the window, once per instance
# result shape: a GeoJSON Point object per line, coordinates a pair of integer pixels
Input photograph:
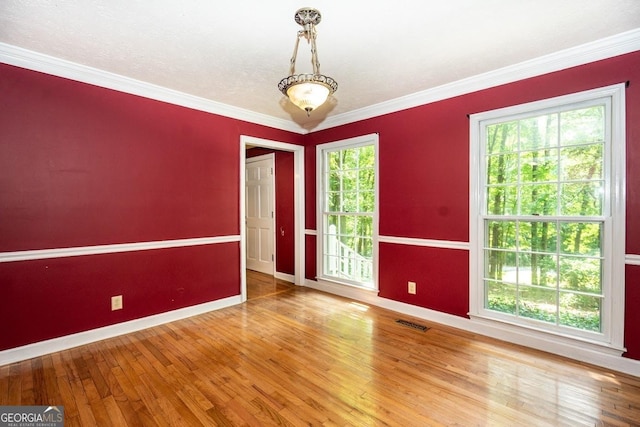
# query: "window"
{"type": "Point", "coordinates": [347, 211]}
{"type": "Point", "coordinates": [547, 220]}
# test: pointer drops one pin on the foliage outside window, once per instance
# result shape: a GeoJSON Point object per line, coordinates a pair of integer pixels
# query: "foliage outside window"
{"type": "Point", "coordinates": [348, 212]}
{"type": "Point", "coordinates": [545, 229]}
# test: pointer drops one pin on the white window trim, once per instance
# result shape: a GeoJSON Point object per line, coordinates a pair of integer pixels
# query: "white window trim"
{"type": "Point", "coordinates": [370, 139]}
{"type": "Point", "coordinates": [612, 337]}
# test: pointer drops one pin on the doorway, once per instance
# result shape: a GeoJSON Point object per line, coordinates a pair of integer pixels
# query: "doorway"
{"type": "Point", "coordinates": [298, 193]}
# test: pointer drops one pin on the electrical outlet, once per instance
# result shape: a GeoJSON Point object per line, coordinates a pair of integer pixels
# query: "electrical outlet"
{"type": "Point", "coordinates": [411, 287]}
{"type": "Point", "coordinates": [116, 303]}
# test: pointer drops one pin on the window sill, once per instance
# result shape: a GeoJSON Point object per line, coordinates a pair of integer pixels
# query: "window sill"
{"type": "Point", "coordinates": [543, 340]}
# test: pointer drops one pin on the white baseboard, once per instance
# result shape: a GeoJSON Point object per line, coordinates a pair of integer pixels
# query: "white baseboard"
{"type": "Point", "coordinates": [69, 341]}
{"type": "Point", "coordinates": [586, 353]}
{"type": "Point", "coordinates": [284, 276]}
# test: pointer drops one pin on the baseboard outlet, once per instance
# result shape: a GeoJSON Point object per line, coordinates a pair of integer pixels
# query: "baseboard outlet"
{"type": "Point", "coordinates": [581, 353]}
{"type": "Point", "coordinates": [69, 341]}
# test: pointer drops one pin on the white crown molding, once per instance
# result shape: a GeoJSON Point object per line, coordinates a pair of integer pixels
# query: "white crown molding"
{"type": "Point", "coordinates": [583, 352]}
{"type": "Point", "coordinates": [35, 61]}
{"type": "Point", "coordinates": [109, 249]}
{"type": "Point", "coordinates": [309, 232]}
{"type": "Point", "coordinates": [600, 49]}
{"type": "Point", "coordinates": [69, 341]}
{"type": "Point", "coordinates": [632, 259]}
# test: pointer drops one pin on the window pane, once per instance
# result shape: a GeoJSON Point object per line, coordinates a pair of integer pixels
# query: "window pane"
{"type": "Point", "coordinates": [367, 156]}
{"type": "Point", "coordinates": [334, 181]}
{"type": "Point", "coordinates": [500, 297]}
{"type": "Point", "coordinates": [350, 158]}
{"type": "Point", "coordinates": [333, 222]}
{"type": "Point", "coordinates": [366, 201]}
{"type": "Point", "coordinates": [350, 201]}
{"type": "Point", "coordinates": [582, 199]}
{"type": "Point", "coordinates": [366, 179]}
{"type": "Point", "coordinates": [538, 199]}
{"type": "Point", "coordinates": [539, 166]}
{"type": "Point", "coordinates": [502, 200]}
{"type": "Point", "coordinates": [333, 201]}
{"type": "Point", "coordinates": [502, 169]}
{"type": "Point", "coordinates": [500, 234]}
{"type": "Point", "coordinates": [537, 236]}
{"type": "Point", "coordinates": [502, 137]}
{"type": "Point", "coordinates": [582, 126]}
{"type": "Point", "coordinates": [537, 303]}
{"type": "Point", "coordinates": [539, 132]}
{"type": "Point", "coordinates": [334, 160]}
{"type": "Point", "coordinates": [580, 311]}
{"type": "Point", "coordinates": [581, 238]}
{"type": "Point", "coordinates": [364, 247]}
{"type": "Point", "coordinates": [500, 265]}
{"type": "Point", "coordinates": [538, 270]}
{"type": "Point", "coordinates": [348, 225]}
{"type": "Point", "coordinates": [582, 163]}
{"type": "Point", "coordinates": [365, 226]}
{"type": "Point", "coordinates": [349, 180]}
{"type": "Point", "coordinates": [581, 274]}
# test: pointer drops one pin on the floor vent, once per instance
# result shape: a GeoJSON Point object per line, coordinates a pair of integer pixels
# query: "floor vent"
{"type": "Point", "coordinates": [412, 325]}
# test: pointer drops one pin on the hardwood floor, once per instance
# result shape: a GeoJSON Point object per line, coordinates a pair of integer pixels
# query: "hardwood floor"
{"type": "Point", "coordinates": [260, 285]}
{"type": "Point", "coordinates": [296, 357]}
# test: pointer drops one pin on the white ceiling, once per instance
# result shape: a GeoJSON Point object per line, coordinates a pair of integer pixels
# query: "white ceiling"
{"type": "Point", "coordinates": [236, 52]}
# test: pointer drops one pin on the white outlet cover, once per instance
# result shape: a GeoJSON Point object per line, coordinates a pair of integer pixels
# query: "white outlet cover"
{"type": "Point", "coordinates": [116, 303]}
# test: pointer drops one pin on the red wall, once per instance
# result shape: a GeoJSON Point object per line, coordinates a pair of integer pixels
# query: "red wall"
{"type": "Point", "coordinates": [81, 166]}
{"type": "Point", "coordinates": [285, 233]}
{"type": "Point", "coordinates": [424, 184]}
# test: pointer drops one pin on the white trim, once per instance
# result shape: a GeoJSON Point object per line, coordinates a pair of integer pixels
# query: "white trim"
{"type": "Point", "coordinates": [412, 241]}
{"type": "Point", "coordinates": [35, 61]}
{"type": "Point", "coordinates": [69, 341]}
{"type": "Point", "coordinates": [612, 335]}
{"type": "Point", "coordinates": [285, 276]}
{"type": "Point", "coordinates": [583, 352]}
{"type": "Point", "coordinates": [115, 248]}
{"type": "Point", "coordinates": [608, 47]}
{"type": "Point", "coordinates": [298, 205]}
{"type": "Point", "coordinates": [309, 232]}
{"type": "Point", "coordinates": [632, 259]}
{"type": "Point", "coordinates": [358, 141]}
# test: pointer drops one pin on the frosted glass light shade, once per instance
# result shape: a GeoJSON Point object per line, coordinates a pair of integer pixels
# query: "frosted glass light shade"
{"type": "Point", "coordinates": [307, 91]}
{"type": "Point", "coordinates": [308, 96]}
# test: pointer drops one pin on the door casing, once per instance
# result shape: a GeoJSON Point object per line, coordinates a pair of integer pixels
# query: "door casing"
{"type": "Point", "coordinates": [299, 202]}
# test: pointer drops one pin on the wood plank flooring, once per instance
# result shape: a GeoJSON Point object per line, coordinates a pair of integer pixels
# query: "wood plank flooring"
{"type": "Point", "coordinates": [294, 357]}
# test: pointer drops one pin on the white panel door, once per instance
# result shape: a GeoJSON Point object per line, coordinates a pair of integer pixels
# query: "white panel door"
{"type": "Point", "coordinates": [260, 214]}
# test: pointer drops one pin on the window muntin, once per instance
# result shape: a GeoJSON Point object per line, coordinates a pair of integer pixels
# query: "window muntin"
{"type": "Point", "coordinates": [348, 212]}
{"type": "Point", "coordinates": [547, 241]}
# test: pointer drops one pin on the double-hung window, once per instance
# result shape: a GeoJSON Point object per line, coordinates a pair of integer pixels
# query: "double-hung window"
{"type": "Point", "coordinates": [547, 216]}
{"type": "Point", "coordinates": [347, 211]}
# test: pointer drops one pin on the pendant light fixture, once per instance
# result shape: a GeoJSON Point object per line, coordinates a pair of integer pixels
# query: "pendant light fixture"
{"type": "Point", "coordinates": [307, 91]}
